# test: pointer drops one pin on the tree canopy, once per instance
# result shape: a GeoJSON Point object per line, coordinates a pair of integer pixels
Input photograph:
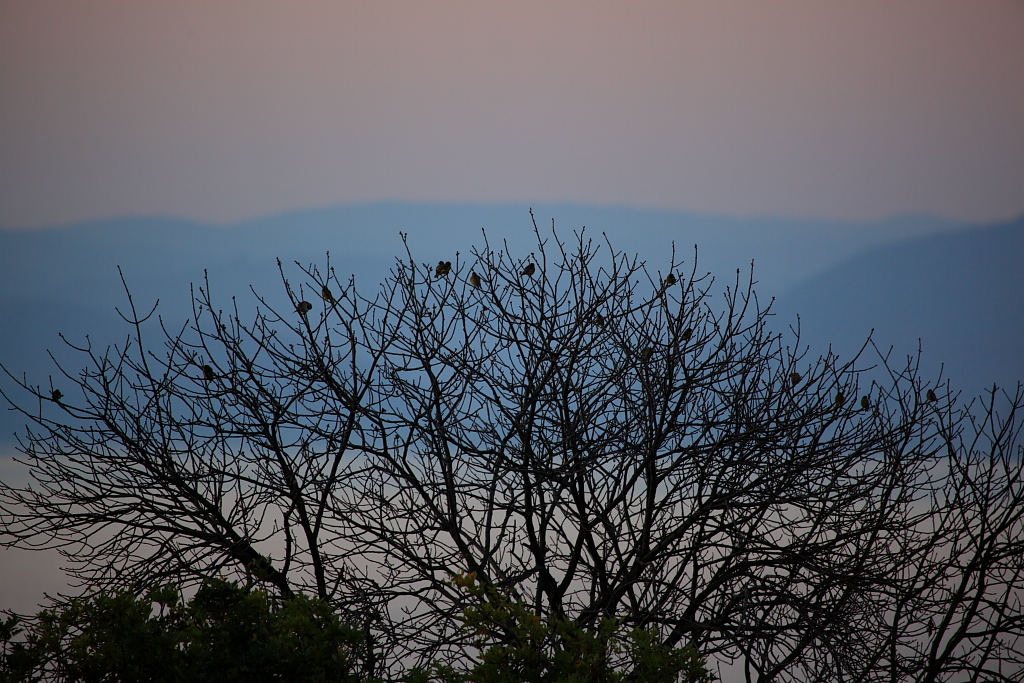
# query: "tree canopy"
{"type": "Point", "coordinates": [636, 456]}
{"type": "Point", "coordinates": [224, 633]}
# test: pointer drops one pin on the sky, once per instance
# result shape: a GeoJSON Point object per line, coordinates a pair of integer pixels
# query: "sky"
{"type": "Point", "coordinates": [226, 110]}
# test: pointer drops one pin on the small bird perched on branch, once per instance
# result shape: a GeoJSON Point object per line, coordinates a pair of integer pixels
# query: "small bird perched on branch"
{"type": "Point", "coordinates": [474, 280]}
{"type": "Point", "coordinates": [687, 333]}
{"type": "Point", "coordinates": [864, 403]}
{"type": "Point", "coordinates": [325, 292]}
{"type": "Point", "coordinates": [303, 307]}
{"type": "Point", "coordinates": [840, 399]}
{"type": "Point", "coordinates": [670, 280]}
{"type": "Point", "coordinates": [208, 373]}
{"type": "Point", "coordinates": [930, 395]}
{"type": "Point", "coordinates": [56, 395]}
{"type": "Point", "coordinates": [794, 378]}
{"type": "Point", "coordinates": [442, 268]}
{"type": "Point", "coordinates": [529, 270]}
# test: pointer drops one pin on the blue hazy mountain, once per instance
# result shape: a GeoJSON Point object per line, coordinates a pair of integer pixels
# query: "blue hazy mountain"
{"type": "Point", "coordinates": [65, 279]}
{"type": "Point", "coordinates": [960, 294]}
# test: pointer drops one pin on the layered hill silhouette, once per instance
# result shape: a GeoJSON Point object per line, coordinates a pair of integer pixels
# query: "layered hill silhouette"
{"type": "Point", "coordinates": [956, 287]}
{"type": "Point", "coordinates": [960, 294]}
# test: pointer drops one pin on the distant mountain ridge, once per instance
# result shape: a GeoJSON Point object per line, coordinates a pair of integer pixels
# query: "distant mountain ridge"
{"type": "Point", "coordinates": [961, 294]}
{"type": "Point", "coordinates": [372, 229]}
{"type": "Point", "coordinates": [65, 278]}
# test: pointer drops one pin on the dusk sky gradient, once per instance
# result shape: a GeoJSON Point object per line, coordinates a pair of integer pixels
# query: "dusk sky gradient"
{"type": "Point", "coordinates": [221, 111]}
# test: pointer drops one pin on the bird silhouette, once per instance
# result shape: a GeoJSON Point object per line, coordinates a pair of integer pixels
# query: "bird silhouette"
{"type": "Point", "coordinates": [56, 395]}
{"type": "Point", "coordinates": [442, 268]}
{"type": "Point", "coordinates": [670, 280]}
{"type": "Point", "coordinates": [474, 280]}
{"type": "Point", "coordinates": [840, 399]}
{"type": "Point", "coordinates": [325, 292]}
{"type": "Point", "coordinates": [208, 373]}
{"type": "Point", "coordinates": [687, 333]}
{"type": "Point", "coordinates": [930, 395]}
{"type": "Point", "coordinates": [864, 403]}
{"type": "Point", "coordinates": [303, 307]}
{"type": "Point", "coordinates": [529, 270]}
{"type": "Point", "coordinates": [794, 378]}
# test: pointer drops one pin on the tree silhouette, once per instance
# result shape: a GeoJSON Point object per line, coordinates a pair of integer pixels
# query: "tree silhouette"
{"type": "Point", "coordinates": [223, 634]}
{"type": "Point", "coordinates": [588, 438]}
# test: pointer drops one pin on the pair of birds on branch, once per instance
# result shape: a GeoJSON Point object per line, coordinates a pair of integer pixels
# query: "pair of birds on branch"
{"type": "Point", "coordinates": [304, 307]}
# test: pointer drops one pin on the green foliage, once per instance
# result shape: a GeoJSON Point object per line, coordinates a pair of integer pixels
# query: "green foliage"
{"type": "Point", "coordinates": [515, 644]}
{"type": "Point", "coordinates": [224, 634]}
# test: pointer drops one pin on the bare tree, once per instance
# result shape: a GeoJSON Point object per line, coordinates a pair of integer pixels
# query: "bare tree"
{"type": "Point", "coordinates": [587, 436]}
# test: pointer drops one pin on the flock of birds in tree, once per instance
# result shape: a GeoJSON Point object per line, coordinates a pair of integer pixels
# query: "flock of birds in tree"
{"type": "Point", "coordinates": [443, 269]}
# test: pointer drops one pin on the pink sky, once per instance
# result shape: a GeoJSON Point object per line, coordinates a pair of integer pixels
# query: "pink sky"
{"type": "Point", "coordinates": [225, 110]}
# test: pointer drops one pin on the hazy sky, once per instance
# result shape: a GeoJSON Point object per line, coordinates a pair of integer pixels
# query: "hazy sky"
{"type": "Point", "coordinates": [225, 110]}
